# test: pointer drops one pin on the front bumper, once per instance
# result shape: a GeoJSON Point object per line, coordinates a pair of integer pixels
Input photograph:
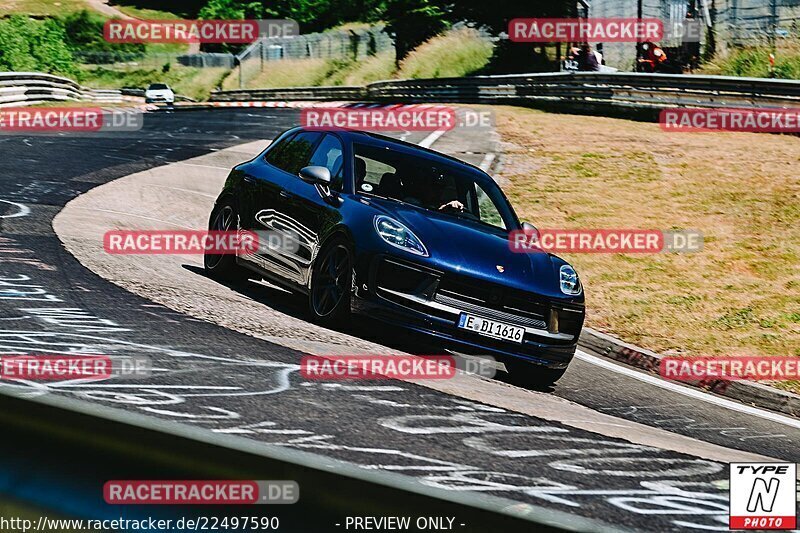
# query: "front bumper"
{"type": "Point", "coordinates": [427, 301]}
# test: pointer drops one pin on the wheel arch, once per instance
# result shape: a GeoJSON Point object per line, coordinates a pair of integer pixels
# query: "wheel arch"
{"type": "Point", "coordinates": [339, 231]}
{"type": "Point", "coordinates": [225, 195]}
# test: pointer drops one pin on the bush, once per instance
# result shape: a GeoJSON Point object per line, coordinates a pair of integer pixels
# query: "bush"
{"type": "Point", "coordinates": [32, 45]}
{"type": "Point", "coordinates": [84, 35]}
{"type": "Point", "coordinates": [51, 45]}
{"type": "Point", "coordinates": [14, 46]}
{"type": "Point", "coordinates": [50, 50]}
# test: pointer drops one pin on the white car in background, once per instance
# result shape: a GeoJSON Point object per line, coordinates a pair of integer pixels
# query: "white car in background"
{"type": "Point", "coordinates": [159, 93]}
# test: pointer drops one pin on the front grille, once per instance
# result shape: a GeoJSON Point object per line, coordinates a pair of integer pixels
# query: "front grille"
{"type": "Point", "coordinates": [508, 305]}
{"type": "Point", "coordinates": [490, 313]}
{"type": "Point", "coordinates": [466, 294]}
{"type": "Point", "coordinates": [494, 297]}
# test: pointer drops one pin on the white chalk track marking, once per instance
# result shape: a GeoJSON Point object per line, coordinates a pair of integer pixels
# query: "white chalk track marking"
{"type": "Point", "coordinates": [686, 391]}
{"type": "Point", "coordinates": [24, 210]}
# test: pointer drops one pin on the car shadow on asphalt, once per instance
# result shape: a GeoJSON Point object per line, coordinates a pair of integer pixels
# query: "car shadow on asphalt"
{"type": "Point", "coordinates": [295, 305]}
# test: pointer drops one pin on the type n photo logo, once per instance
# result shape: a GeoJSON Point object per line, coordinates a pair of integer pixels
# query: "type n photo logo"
{"type": "Point", "coordinates": [763, 496]}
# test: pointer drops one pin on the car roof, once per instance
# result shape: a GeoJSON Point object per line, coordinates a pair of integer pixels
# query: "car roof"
{"type": "Point", "coordinates": [376, 139]}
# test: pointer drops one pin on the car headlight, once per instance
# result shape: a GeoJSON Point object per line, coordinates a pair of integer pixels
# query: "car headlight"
{"type": "Point", "coordinates": [398, 235]}
{"type": "Point", "coordinates": [568, 279]}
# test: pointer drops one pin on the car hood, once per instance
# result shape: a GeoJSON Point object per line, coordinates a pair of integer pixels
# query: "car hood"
{"type": "Point", "coordinates": [158, 92]}
{"type": "Point", "coordinates": [460, 246]}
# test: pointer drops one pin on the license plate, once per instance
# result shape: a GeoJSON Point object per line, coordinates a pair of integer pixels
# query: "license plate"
{"type": "Point", "coordinates": [491, 328]}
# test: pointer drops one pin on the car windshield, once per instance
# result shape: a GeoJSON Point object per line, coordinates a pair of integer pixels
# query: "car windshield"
{"type": "Point", "coordinates": [157, 87]}
{"type": "Point", "coordinates": [431, 185]}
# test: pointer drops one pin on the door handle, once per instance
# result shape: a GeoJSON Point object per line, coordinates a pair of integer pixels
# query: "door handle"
{"type": "Point", "coordinates": [249, 179]}
{"type": "Point", "coordinates": [287, 195]}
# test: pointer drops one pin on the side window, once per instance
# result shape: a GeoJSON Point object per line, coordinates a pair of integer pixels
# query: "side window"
{"type": "Point", "coordinates": [371, 171]}
{"type": "Point", "coordinates": [487, 210]}
{"type": "Point", "coordinates": [293, 155]}
{"type": "Point", "coordinates": [275, 150]}
{"type": "Point", "coordinates": [330, 154]}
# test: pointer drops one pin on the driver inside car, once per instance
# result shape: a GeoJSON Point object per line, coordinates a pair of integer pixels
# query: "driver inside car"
{"type": "Point", "coordinates": [428, 193]}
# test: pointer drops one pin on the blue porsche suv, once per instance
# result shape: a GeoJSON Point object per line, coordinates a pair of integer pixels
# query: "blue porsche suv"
{"type": "Point", "coordinates": [405, 235]}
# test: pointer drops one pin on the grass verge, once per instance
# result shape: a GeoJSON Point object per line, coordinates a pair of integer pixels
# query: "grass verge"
{"type": "Point", "coordinates": [455, 53]}
{"type": "Point", "coordinates": [753, 61]}
{"type": "Point", "coordinates": [132, 9]}
{"type": "Point", "coordinates": [195, 83]}
{"type": "Point", "coordinates": [40, 8]}
{"type": "Point", "coordinates": [284, 73]}
{"type": "Point", "coordinates": [739, 296]}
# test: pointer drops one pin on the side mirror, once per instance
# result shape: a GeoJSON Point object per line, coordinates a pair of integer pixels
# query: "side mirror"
{"type": "Point", "coordinates": [531, 230]}
{"type": "Point", "coordinates": [316, 175]}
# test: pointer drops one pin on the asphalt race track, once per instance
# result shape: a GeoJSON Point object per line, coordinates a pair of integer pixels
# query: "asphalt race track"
{"type": "Point", "coordinates": [561, 448]}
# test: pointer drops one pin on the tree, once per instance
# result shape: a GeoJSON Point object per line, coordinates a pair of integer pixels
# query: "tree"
{"type": "Point", "coordinates": [231, 10]}
{"type": "Point", "coordinates": [84, 35]}
{"type": "Point", "coordinates": [311, 15]}
{"type": "Point", "coordinates": [412, 22]}
{"type": "Point", "coordinates": [494, 16]}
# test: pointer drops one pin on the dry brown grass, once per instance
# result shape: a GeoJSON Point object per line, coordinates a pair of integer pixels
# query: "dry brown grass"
{"type": "Point", "coordinates": [739, 296]}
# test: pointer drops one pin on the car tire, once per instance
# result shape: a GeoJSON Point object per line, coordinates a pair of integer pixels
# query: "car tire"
{"type": "Point", "coordinates": [330, 288]}
{"type": "Point", "coordinates": [223, 267]}
{"type": "Point", "coordinates": [533, 375]}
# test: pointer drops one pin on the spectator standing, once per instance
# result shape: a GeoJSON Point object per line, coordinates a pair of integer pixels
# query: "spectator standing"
{"type": "Point", "coordinates": [587, 60]}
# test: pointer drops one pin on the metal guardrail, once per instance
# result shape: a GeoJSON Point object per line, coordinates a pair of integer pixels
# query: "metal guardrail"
{"type": "Point", "coordinates": [27, 88]}
{"type": "Point", "coordinates": [341, 92]}
{"type": "Point", "coordinates": [584, 90]}
{"type": "Point", "coordinates": [64, 450]}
